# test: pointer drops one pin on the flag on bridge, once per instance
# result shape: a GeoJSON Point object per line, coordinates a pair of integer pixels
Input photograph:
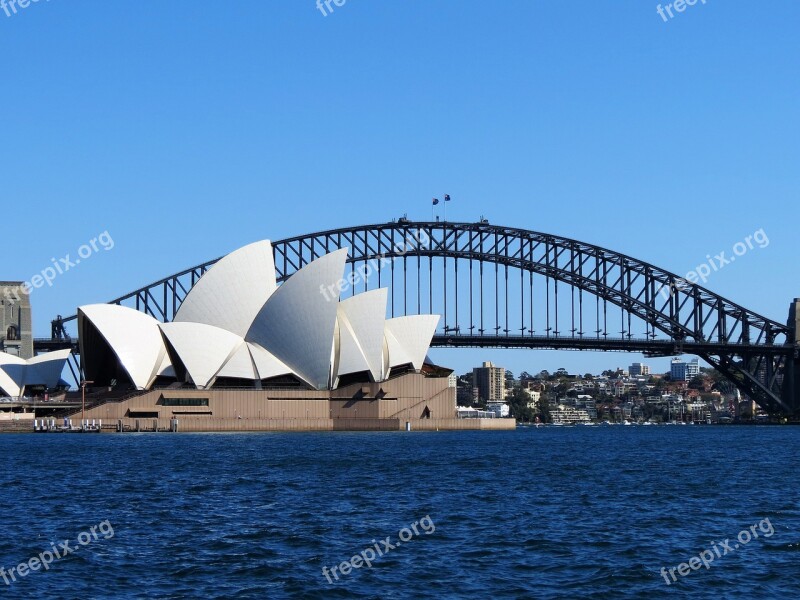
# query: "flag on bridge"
{"type": "Point", "coordinates": [435, 201]}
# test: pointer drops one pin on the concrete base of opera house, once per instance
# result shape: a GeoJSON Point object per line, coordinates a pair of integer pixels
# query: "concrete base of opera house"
{"type": "Point", "coordinates": [412, 400]}
{"type": "Point", "coordinates": [254, 425]}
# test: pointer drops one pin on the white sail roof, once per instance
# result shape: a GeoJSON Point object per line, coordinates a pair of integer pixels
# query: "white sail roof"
{"type": "Point", "coordinates": [133, 336]}
{"type": "Point", "coordinates": [236, 323]}
{"type": "Point", "coordinates": [239, 365]}
{"type": "Point", "coordinates": [166, 369]}
{"type": "Point", "coordinates": [297, 322]}
{"type": "Point", "coordinates": [267, 365]}
{"type": "Point", "coordinates": [232, 292]}
{"type": "Point", "coordinates": [361, 331]}
{"type": "Point", "coordinates": [387, 367]}
{"type": "Point", "coordinates": [408, 339]}
{"type": "Point", "coordinates": [396, 353]}
{"type": "Point", "coordinates": [203, 349]}
{"type": "Point", "coordinates": [12, 374]}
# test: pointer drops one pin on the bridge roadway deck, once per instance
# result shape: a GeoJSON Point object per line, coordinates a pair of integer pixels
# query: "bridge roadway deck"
{"type": "Point", "coordinates": [553, 342]}
{"type": "Point", "coordinates": [651, 347]}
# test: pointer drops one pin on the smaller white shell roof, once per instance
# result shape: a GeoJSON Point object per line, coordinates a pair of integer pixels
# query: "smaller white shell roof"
{"type": "Point", "coordinates": [361, 330]}
{"type": "Point", "coordinates": [396, 353]}
{"type": "Point", "coordinates": [409, 338]}
{"type": "Point", "coordinates": [46, 369]}
{"type": "Point", "coordinates": [166, 370]}
{"type": "Point", "coordinates": [239, 365]}
{"type": "Point", "coordinates": [267, 364]}
{"type": "Point", "coordinates": [203, 349]}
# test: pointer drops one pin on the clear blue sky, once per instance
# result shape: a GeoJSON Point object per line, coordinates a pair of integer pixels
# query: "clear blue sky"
{"type": "Point", "coordinates": [187, 129]}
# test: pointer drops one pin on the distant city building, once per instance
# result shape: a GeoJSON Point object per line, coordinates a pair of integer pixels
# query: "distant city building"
{"type": "Point", "coordinates": [587, 403]}
{"type": "Point", "coordinates": [683, 371]}
{"type": "Point", "coordinates": [534, 396]}
{"type": "Point", "coordinates": [639, 369]}
{"type": "Point", "coordinates": [623, 411]}
{"type": "Point", "coordinates": [693, 368]}
{"type": "Point", "coordinates": [489, 382]}
{"type": "Point", "coordinates": [498, 409]}
{"type": "Point", "coordinates": [621, 387]}
{"type": "Point", "coordinates": [16, 337]}
{"type": "Point", "coordinates": [452, 380]}
{"type": "Point", "coordinates": [532, 384]}
{"type": "Point", "coordinates": [567, 415]}
{"type": "Point", "coordinates": [466, 412]}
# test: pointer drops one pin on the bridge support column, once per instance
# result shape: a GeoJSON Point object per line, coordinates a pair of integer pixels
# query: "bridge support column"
{"type": "Point", "coordinates": [791, 372]}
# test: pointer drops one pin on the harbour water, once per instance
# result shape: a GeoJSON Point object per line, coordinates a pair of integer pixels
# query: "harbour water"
{"type": "Point", "coordinates": [555, 512]}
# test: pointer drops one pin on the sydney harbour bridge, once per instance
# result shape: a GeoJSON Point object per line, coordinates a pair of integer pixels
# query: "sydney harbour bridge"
{"type": "Point", "coordinates": [504, 287]}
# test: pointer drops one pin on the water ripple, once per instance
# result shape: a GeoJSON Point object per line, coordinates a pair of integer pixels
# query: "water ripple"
{"type": "Point", "coordinates": [535, 513]}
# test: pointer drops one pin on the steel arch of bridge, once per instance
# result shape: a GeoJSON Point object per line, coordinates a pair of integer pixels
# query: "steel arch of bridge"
{"type": "Point", "coordinates": [678, 317]}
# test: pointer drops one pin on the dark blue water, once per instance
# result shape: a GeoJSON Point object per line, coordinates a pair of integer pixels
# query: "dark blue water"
{"type": "Point", "coordinates": [547, 513]}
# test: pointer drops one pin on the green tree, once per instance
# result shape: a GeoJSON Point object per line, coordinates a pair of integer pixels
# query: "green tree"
{"type": "Point", "coordinates": [510, 382]}
{"type": "Point", "coordinates": [544, 408]}
{"type": "Point", "coordinates": [697, 383]}
{"type": "Point", "coordinates": [518, 403]}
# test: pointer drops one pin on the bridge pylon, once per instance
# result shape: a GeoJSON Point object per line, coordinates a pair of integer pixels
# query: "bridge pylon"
{"type": "Point", "coordinates": [791, 373]}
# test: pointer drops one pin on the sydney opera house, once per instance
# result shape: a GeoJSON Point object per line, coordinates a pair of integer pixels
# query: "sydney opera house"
{"type": "Point", "coordinates": [245, 353]}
